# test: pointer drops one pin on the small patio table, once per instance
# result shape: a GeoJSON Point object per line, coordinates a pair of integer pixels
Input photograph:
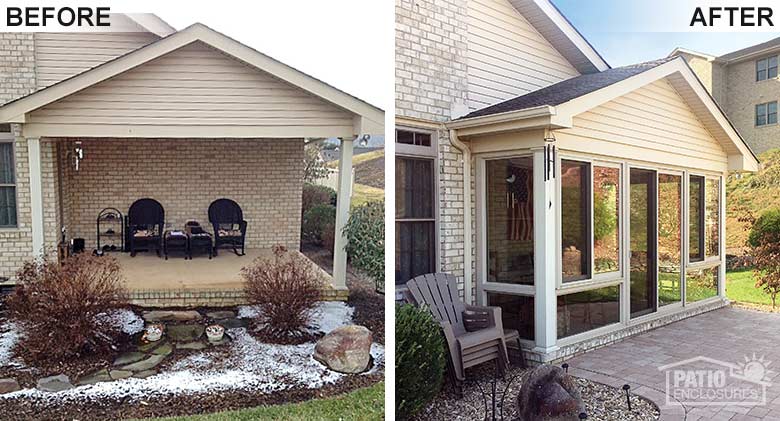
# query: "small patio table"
{"type": "Point", "coordinates": [176, 241]}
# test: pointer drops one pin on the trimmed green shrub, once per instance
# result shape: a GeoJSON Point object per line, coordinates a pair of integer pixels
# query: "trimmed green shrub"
{"type": "Point", "coordinates": [764, 240]}
{"type": "Point", "coordinates": [314, 194]}
{"type": "Point", "coordinates": [766, 229]}
{"type": "Point", "coordinates": [419, 359]}
{"type": "Point", "coordinates": [365, 233]}
{"type": "Point", "coordinates": [316, 220]}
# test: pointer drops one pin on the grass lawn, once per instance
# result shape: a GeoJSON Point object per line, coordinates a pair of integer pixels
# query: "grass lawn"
{"type": "Point", "coordinates": [362, 404]}
{"type": "Point", "coordinates": [741, 287]}
{"type": "Point", "coordinates": [362, 193]}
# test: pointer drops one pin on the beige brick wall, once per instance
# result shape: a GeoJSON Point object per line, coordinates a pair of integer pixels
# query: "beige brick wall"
{"type": "Point", "coordinates": [17, 65]}
{"type": "Point", "coordinates": [263, 175]}
{"type": "Point", "coordinates": [16, 243]}
{"type": "Point", "coordinates": [744, 93]}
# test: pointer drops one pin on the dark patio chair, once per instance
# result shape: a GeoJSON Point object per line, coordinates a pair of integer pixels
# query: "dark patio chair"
{"type": "Point", "coordinates": [145, 224]}
{"type": "Point", "coordinates": [482, 342]}
{"type": "Point", "coordinates": [229, 226]}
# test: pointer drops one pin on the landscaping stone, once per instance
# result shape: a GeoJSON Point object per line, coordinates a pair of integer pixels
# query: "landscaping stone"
{"type": "Point", "coordinates": [164, 349]}
{"type": "Point", "coordinates": [221, 315]}
{"type": "Point", "coordinates": [549, 394]}
{"type": "Point", "coordinates": [171, 316]}
{"type": "Point", "coordinates": [96, 377]}
{"type": "Point", "coordinates": [345, 349]}
{"type": "Point", "coordinates": [185, 333]}
{"type": "Point", "coordinates": [222, 342]}
{"type": "Point", "coordinates": [146, 364]}
{"type": "Point", "coordinates": [232, 323]}
{"type": "Point", "coordinates": [129, 358]}
{"type": "Point", "coordinates": [191, 345]}
{"type": "Point", "coordinates": [144, 374]}
{"type": "Point", "coordinates": [151, 345]}
{"type": "Point", "coordinates": [54, 383]}
{"type": "Point", "coordinates": [8, 386]}
{"type": "Point", "coordinates": [120, 374]}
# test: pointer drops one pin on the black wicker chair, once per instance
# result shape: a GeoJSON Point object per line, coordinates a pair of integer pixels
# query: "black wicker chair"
{"type": "Point", "coordinates": [229, 226]}
{"type": "Point", "coordinates": [145, 225]}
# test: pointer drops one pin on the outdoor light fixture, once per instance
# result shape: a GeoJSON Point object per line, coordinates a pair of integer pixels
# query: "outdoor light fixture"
{"type": "Point", "coordinates": [549, 158]}
{"type": "Point", "coordinates": [363, 142]}
{"type": "Point", "coordinates": [78, 154]}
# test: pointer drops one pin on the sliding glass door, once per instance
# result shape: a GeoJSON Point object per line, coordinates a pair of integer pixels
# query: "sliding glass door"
{"type": "Point", "coordinates": [643, 247]}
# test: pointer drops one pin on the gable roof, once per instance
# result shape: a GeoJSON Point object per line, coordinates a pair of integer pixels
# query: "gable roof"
{"type": "Point", "coordinates": [752, 50]}
{"type": "Point", "coordinates": [559, 31]}
{"type": "Point", "coordinates": [152, 23]}
{"type": "Point", "coordinates": [555, 106]}
{"type": "Point", "coordinates": [368, 117]}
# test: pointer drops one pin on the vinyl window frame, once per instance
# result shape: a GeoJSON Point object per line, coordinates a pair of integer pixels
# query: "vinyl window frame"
{"type": "Point", "coordinates": [5, 139]}
{"type": "Point", "coordinates": [762, 110]}
{"type": "Point", "coordinates": [765, 66]}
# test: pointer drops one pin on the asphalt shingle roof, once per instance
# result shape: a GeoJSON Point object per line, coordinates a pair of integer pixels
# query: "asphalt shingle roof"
{"type": "Point", "coordinates": [568, 89]}
{"type": "Point", "coordinates": [750, 50]}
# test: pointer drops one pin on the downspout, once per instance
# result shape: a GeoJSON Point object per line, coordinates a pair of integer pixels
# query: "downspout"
{"type": "Point", "coordinates": [467, 281]}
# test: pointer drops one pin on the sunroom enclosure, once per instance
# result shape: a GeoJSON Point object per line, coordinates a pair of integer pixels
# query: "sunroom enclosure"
{"type": "Point", "coordinates": [626, 241]}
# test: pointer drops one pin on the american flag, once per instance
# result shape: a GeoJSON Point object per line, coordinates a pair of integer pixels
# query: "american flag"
{"type": "Point", "coordinates": [520, 204]}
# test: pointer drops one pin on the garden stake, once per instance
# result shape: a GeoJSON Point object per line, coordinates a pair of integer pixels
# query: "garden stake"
{"type": "Point", "coordinates": [628, 397]}
{"type": "Point", "coordinates": [565, 367]}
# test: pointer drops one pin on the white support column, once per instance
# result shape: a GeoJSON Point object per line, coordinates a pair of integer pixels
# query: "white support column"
{"type": "Point", "coordinates": [36, 195]}
{"type": "Point", "coordinates": [545, 267]}
{"type": "Point", "coordinates": [342, 214]}
{"type": "Point", "coordinates": [722, 236]}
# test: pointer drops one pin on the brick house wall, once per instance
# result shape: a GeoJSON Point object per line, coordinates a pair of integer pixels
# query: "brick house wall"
{"type": "Point", "coordinates": [264, 176]}
{"type": "Point", "coordinates": [744, 93]}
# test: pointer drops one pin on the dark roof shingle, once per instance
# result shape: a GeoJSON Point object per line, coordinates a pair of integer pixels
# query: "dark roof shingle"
{"type": "Point", "coordinates": [568, 89]}
{"type": "Point", "coordinates": [750, 50]}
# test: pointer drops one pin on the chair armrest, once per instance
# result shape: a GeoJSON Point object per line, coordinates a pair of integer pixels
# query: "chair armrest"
{"type": "Point", "coordinates": [242, 226]}
{"type": "Point", "coordinates": [494, 312]}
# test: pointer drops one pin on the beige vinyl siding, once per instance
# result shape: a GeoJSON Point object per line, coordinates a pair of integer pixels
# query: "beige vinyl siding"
{"type": "Point", "coordinates": [507, 57]}
{"type": "Point", "coordinates": [59, 56]}
{"type": "Point", "coordinates": [195, 84]}
{"type": "Point", "coordinates": [651, 124]}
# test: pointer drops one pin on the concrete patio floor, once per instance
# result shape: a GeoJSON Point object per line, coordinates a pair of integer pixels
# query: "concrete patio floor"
{"type": "Point", "coordinates": [728, 334]}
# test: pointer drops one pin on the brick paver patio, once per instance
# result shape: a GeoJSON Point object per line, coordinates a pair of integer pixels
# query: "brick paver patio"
{"type": "Point", "coordinates": [728, 334]}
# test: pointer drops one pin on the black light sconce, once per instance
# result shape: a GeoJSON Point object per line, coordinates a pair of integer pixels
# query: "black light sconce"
{"type": "Point", "coordinates": [549, 158]}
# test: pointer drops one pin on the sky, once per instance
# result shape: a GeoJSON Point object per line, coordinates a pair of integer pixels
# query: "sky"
{"type": "Point", "coordinates": [630, 31]}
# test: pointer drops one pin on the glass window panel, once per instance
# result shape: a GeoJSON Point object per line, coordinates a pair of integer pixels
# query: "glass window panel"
{"type": "Point", "coordinates": [669, 238]}
{"type": "Point", "coordinates": [771, 113]}
{"type": "Point", "coordinates": [517, 312]}
{"type": "Point", "coordinates": [761, 69]}
{"type": "Point", "coordinates": [588, 310]}
{"type": "Point", "coordinates": [414, 250]}
{"type": "Point", "coordinates": [701, 284]}
{"type": "Point", "coordinates": [643, 242]}
{"type": "Point", "coordinates": [7, 206]}
{"type": "Point", "coordinates": [6, 163]}
{"type": "Point", "coordinates": [696, 230]}
{"type": "Point", "coordinates": [404, 136]}
{"type": "Point", "coordinates": [606, 215]}
{"type": "Point", "coordinates": [414, 188]}
{"type": "Point", "coordinates": [510, 220]}
{"type": "Point", "coordinates": [575, 220]}
{"type": "Point", "coordinates": [711, 218]}
{"type": "Point", "coordinates": [422, 139]}
{"type": "Point", "coordinates": [760, 114]}
{"type": "Point", "coordinates": [772, 68]}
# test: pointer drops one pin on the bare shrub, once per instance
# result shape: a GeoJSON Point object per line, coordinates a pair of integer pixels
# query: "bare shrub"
{"type": "Point", "coordinates": [287, 289]}
{"type": "Point", "coordinates": [58, 307]}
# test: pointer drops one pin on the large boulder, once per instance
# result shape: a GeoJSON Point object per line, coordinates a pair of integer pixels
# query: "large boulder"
{"type": "Point", "coordinates": [549, 394]}
{"type": "Point", "coordinates": [171, 316]}
{"type": "Point", "coordinates": [346, 349]}
{"type": "Point", "coordinates": [8, 386]}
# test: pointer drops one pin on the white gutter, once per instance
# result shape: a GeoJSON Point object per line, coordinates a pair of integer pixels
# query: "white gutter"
{"type": "Point", "coordinates": [467, 282]}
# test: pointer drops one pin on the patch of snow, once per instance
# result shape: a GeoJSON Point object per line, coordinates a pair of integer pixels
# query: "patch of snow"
{"type": "Point", "coordinates": [249, 312]}
{"type": "Point", "coordinates": [250, 365]}
{"type": "Point", "coordinates": [9, 336]}
{"type": "Point", "coordinates": [125, 319]}
{"type": "Point", "coordinates": [328, 315]}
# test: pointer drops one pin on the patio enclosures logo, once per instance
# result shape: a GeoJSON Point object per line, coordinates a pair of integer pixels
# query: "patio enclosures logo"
{"type": "Point", "coordinates": [703, 381]}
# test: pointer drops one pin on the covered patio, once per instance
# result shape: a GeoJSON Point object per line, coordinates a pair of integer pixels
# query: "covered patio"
{"type": "Point", "coordinates": [185, 121]}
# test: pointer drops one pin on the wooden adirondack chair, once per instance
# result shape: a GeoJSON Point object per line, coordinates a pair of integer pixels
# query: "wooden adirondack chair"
{"type": "Point", "coordinates": [439, 293]}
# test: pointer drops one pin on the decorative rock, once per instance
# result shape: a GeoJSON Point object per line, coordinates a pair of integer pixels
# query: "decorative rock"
{"type": "Point", "coordinates": [164, 349]}
{"type": "Point", "coordinates": [129, 358]}
{"type": "Point", "coordinates": [346, 349]}
{"type": "Point", "coordinates": [96, 377]}
{"type": "Point", "coordinates": [171, 316]}
{"type": "Point", "coordinates": [191, 345]}
{"type": "Point", "coordinates": [55, 383]}
{"type": "Point", "coordinates": [151, 345]}
{"type": "Point", "coordinates": [8, 386]}
{"type": "Point", "coordinates": [153, 332]}
{"type": "Point", "coordinates": [232, 323]}
{"type": "Point", "coordinates": [144, 374]}
{"type": "Point", "coordinates": [185, 333]}
{"type": "Point", "coordinates": [222, 342]}
{"type": "Point", "coordinates": [146, 364]}
{"type": "Point", "coordinates": [214, 333]}
{"type": "Point", "coordinates": [120, 374]}
{"type": "Point", "coordinates": [549, 394]}
{"type": "Point", "coordinates": [221, 315]}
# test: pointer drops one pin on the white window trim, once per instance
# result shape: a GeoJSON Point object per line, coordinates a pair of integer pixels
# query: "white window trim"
{"type": "Point", "coordinates": [766, 114]}
{"type": "Point", "coordinates": [10, 139]}
{"type": "Point", "coordinates": [680, 303]}
{"type": "Point", "coordinates": [766, 69]}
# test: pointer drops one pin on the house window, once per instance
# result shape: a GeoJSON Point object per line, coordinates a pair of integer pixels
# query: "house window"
{"type": "Point", "coordinates": [510, 220]}
{"type": "Point", "coordinates": [696, 218]}
{"type": "Point", "coordinates": [643, 230]}
{"type": "Point", "coordinates": [766, 68]}
{"type": "Point", "coordinates": [517, 312]}
{"type": "Point", "coordinates": [606, 218]}
{"type": "Point", "coordinates": [575, 220]}
{"type": "Point", "coordinates": [583, 311]}
{"type": "Point", "coordinates": [711, 217]}
{"type": "Point", "coordinates": [7, 186]}
{"type": "Point", "coordinates": [415, 220]}
{"type": "Point", "coordinates": [408, 137]}
{"type": "Point", "coordinates": [669, 239]}
{"type": "Point", "coordinates": [701, 284]}
{"type": "Point", "coordinates": [766, 113]}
